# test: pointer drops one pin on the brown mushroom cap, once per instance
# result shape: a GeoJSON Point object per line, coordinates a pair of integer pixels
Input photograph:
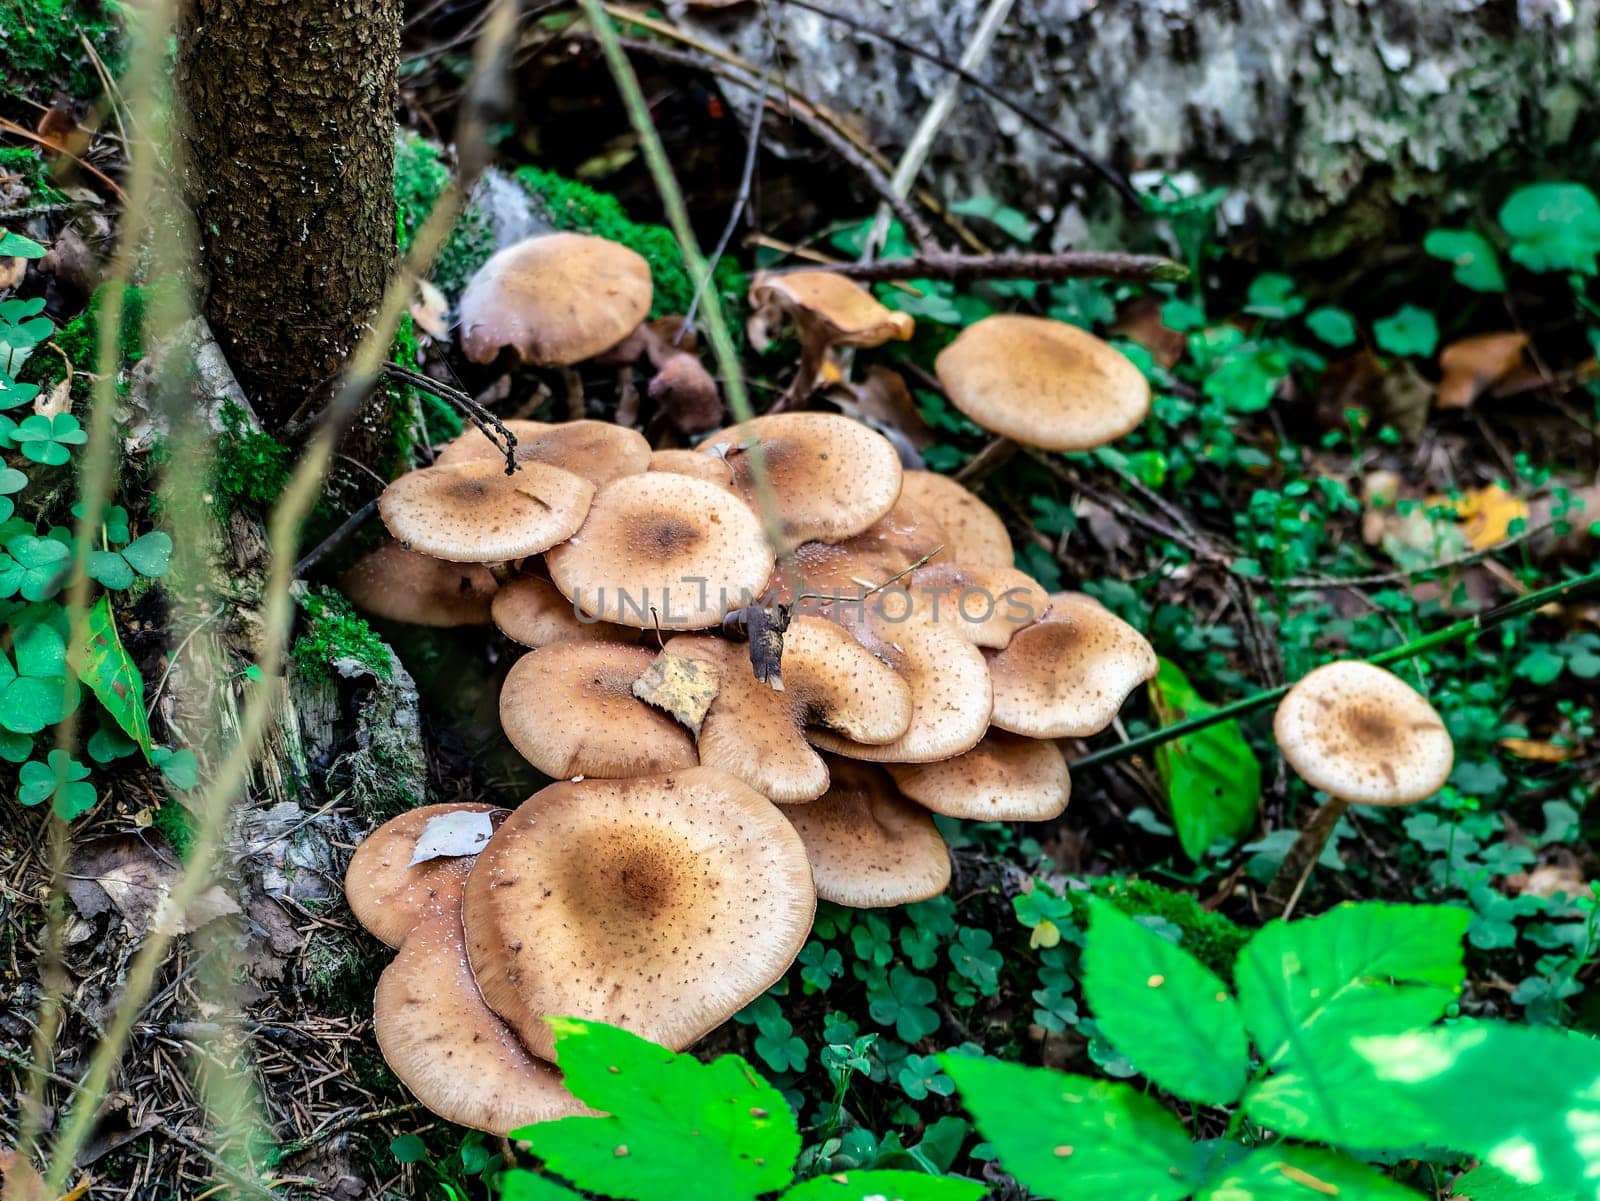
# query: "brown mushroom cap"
{"type": "Point", "coordinates": [569, 709]}
{"type": "Point", "coordinates": [669, 541]}
{"type": "Point", "coordinates": [532, 611]}
{"type": "Point", "coordinates": [1004, 778]}
{"type": "Point", "coordinates": [901, 537]}
{"type": "Point", "coordinates": [448, 1047]}
{"type": "Point", "coordinates": [555, 299]}
{"type": "Point", "coordinates": [839, 309]}
{"type": "Point", "coordinates": [951, 696]}
{"type": "Point", "coordinates": [597, 450]}
{"type": "Point", "coordinates": [691, 462]}
{"type": "Point", "coordinates": [985, 605]}
{"type": "Point", "coordinates": [476, 513]}
{"type": "Point", "coordinates": [387, 893]}
{"type": "Point", "coordinates": [1066, 676]}
{"type": "Point", "coordinates": [831, 476]}
{"type": "Point", "coordinates": [1043, 383]}
{"type": "Point", "coordinates": [868, 845]}
{"type": "Point", "coordinates": [402, 585]}
{"type": "Point", "coordinates": [1363, 734]}
{"type": "Point", "coordinates": [661, 904]}
{"type": "Point", "coordinates": [840, 684]}
{"type": "Point", "coordinates": [974, 532]}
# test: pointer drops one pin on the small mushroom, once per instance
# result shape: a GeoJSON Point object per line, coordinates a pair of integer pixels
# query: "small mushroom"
{"type": "Point", "coordinates": [387, 892]}
{"type": "Point", "coordinates": [1068, 675]}
{"type": "Point", "coordinates": [597, 450]}
{"type": "Point", "coordinates": [476, 513]}
{"type": "Point", "coordinates": [569, 709]}
{"type": "Point", "coordinates": [401, 585]}
{"type": "Point", "coordinates": [1006, 777]}
{"type": "Point", "coordinates": [661, 904]}
{"type": "Point", "coordinates": [683, 390]}
{"type": "Point", "coordinates": [828, 310]}
{"type": "Point", "coordinates": [832, 477]}
{"type": "Point", "coordinates": [870, 847]}
{"type": "Point", "coordinates": [555, 299]}
{"type": "Point", "coordinates": [531, 610]}
{"type": "Point", "coordinates": [660, 550]}
{"type": "Point", "coordinates": [974, 532]}
{"type": "Point", "coordinates": [985, 605]}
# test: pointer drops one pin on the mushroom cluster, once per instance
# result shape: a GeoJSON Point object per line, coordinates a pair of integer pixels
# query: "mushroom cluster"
{"type": "Point", "coordinates": [756, 669]}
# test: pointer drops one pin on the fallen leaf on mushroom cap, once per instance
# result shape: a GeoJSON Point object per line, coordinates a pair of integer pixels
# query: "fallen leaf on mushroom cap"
{"type": "Point", "coordinates": [452, 835]}
{"type": "Point", "coordinates": [1472, 366]}
{"type": "Point", "coordinates": [682, 686]}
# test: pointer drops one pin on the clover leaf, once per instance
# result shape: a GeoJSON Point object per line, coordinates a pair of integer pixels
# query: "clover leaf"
{"type": "Point", "coordinates": [46, 439]}
{"type": "Point", "coordinates": [12, 481]}
{"type": "Point", "coordinates": [113, 521]}
{"type": "Point", "coordinates": [21, 326]}
{"type": "Point", "coordinates": [34, 567]}
{"type": "Point", "coordinates": [62, 780]}
{"type": "Point", "coordinates": [1553, 227]}
{"type": "Point", "coordinates": [178, 768]}
{"type": "Point", "coordinates": [34, 693]}
{"type": "Point", "coordinates": [14, 395]}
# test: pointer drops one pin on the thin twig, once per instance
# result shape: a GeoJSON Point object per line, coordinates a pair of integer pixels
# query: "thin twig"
{"type": "Point", "coordinates": [740, 202]}
{"type": "Point", "coordinates": [1067, 264]}
{"type": "Point", "coordinates": [347, 527]}
{"type": "Point", "coordinates": [480, 416]}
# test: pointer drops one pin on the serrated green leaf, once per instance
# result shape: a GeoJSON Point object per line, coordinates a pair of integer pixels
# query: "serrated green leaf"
{"type": "Point", "coordinates": [672, 1120]}
{"type": "Point", "coordinates": [889, 1186]}
{"type": "Point", "coordinates": [1476, 265]}
{"type": "Point", "coordinates": [111, 675]}
{"type": "Point", "coordinates": [1290, 1173]}
{"type": "Point", "coordinates": [1071, 1138]}
{"type": "Point", "coordinates": [1163, 1009]}
{"type": "Point", "coordinates": [1212, 777]}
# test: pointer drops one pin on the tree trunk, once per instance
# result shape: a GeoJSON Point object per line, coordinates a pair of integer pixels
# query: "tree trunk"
{"type": "Point", "coordinates": [289, 135]}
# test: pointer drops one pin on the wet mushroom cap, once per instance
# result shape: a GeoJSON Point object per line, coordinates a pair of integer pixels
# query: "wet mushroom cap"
{"type": "Point", "coordinates": [449, 1048]}
{"type": "Point", "coordinates": [669, 543]}
{"type": "Point", "coordinates": [1364, 735]}
{"type": "Point", "coordinates": [661, 904]}
{"type": "Point", "coordinates": [1068, 675]}
{"type": "Point", "coordinates": [985, 605]}
{"type": "Point", "coordinates": [476, 513]}
{"type": "Point", "coordinates": [597, 450]}
{"type": "Point", "coordinates": [532, 611]}
{"type": "Point", "coordinates": [974, 532]}
{"type": "Point", "coordinates": [387, 893]}
{"type": "Point", "coordinates": [555, 299]}
{"type": "Point", "coordinates": [832, 477]}
{"type": "Point", "coordinates": [850, 569]}
{"type": "Point", "coordinates": [1006, 777]}
{"type": "Point", "coordinates": [839, 309]}
{"type": "Point", "coordinates": [1043, 383]}
{"type": "Point", "coordinates": [869, 846]}
{"type": "Point", "coordinates": [401, 585]}
{"type": "Point", "coordinates": [569, 709]}
{"type": "Point", "coordinates": [840, 684]}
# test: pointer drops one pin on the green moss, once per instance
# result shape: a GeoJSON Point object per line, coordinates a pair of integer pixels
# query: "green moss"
{"type": "Point", "coordinates": [420, 178]}
{"type": "Point", "coordinates": [251, 468]}
{"type": "Point", "coordinates": [176, 826]}
{"type": "Point", "coordinates": [28, 165]}
{"type": "Point", "coordinates": [1210, 937]}
{"type": "Point", "coordinates": [79, 340]}
{"type": "Point", "coordinates": [40, 48]}
{"type": "Point", "coordinates": [333, 631]}
{"type": "Point", "coordinates": [341, 968]}
{"type": "Point", "coordinates": [568, 205]}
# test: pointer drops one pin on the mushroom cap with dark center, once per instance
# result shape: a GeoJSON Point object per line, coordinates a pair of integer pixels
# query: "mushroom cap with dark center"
{"type": "Point", "coordinates": [401, 585]}
{"type": "Point", "coordinates": [1068, 675]}
{"type": "Point", "coordinates": [839, 684]}
{"type": "Point", "coordinates": [476, 513]}
{"type": "Point", "coordinates": [597, 450]}
{"type": "Point", "coordinates": [1362, 734]}
{"type": "Point", "coordinates": [974, 532]}
{"type": "Point", "coordinates": [985, 605]}
{"type": "Point", "coordinates": [532, 611]}
{"type": "Point", "coordinates": [1043, 382]}
{"type": "Point", "coordinates": [449, 1048]}
{"type": "Point", "coordinates": [868, 845]}
{"type": "Point", "coordinates": [1006, 777]}
{"type": "Point", "coordinates": [831, 308]}
{"type": "Point", "coordinates": [555, 299]}
{"type": "Point", "coordinates": [831, 476]}
{"type": "Point", "coordinates": [661, 904]}
{"type": "Point", "coordinates": [569, 709]}
{"type": "Point", "coordinates": [387, 893]}
{"type": "Point", "coordinates": [663, 550]}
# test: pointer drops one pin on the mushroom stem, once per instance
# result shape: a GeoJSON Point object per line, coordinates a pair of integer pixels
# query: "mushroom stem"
{"type": "Point", "coordinates": [1301, 861]}
{"type": "Point", "coordinates": [574, 384]}
{"type": "Point", "coordinates": [813, 354]}
{"type": "Point", "coordinates": [988, 460]}
{"type": "Point", "coordinates": [627, 398]}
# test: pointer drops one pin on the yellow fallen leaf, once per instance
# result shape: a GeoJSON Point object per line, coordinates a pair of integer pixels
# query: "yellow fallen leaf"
{"type": "Point", "coordinates": [1486, 514]}
{"type": "Point", "coordinates": [1540, 752]}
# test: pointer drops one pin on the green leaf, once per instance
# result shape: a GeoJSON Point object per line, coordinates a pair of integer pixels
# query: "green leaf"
{"type": "Point", "coordinates": [889, 1186]}
{"type": "Point", "coordinates": [111, 675]}
{"type": "Point", "coordinates": [35, 567]}
{"type": "Point", "coordinates": [179, 768]}
{"type": "Point", "coordinates": [408, 1148]}
{"type": "Point", "coordinates": [1163, 1009]}
{"type": "Point", "coordinates": [1553, 227]}
{"type": "Point", "coordinates": [1272, 295]}
{"type": "Point", "coordinates": [1475, 262]}
{"type": "Point", "coordinates": [1289, 1173]}
{"type": "Point", "coordinates": [1407, 331]}
{"type": "Point", "coordinates": [15, 246]}
{"type": "Point", "coordinates": [1212, 777]}
{"type": "Point", "coordinates": [62, 780]}
{"type": "Point", "coordinates": [1332, 325]}
{"type": "Point", "coordinates": [1484, 1183]}
{"type": "Point", "coordinates": [520, 1185]}
{"type": "Point", "coordinates": [1071, 1138]}
{"type": "Point", "coordinates": [672, 1120]}
{"type": "Point", "coordinates": [35, 693]}
{"type": "Point", "coordinates": [109, 568]}
{"type": "Point", "coordinates": [150, 554]}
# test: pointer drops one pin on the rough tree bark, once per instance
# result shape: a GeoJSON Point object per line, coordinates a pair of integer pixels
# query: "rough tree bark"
{"type": "Point", "coordinates": [289, 137]}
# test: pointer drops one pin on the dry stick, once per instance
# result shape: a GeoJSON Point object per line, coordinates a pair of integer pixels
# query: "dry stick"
{"type": "Point", "coordinates": [1067, 264]}
{"type": "Point", "coordinates": [476, 413]}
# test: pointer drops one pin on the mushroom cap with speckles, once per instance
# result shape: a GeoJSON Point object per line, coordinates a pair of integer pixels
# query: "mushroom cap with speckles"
{"type": "Point", "coordinates": [841, 311]}
{"type": "Point", "coordinates": [661, 904]}
{"type": "Point", "coordinates": [868, 845]}
{"type": "Point", "coordinates": [671, 543]}
{"type": "Point", "coordinates": [951, 697]}
{"type": "Point", "coordinates": [569, 709]}
{"type": "Point", "coordinates": [849, 569]}
{"type": "Point", "coordinates": [710, 468]}
{"type": "Point", "coordinates": [1043, 383]}
{"type": "Point", "coordinates": [985, 605]}
{"type": "Point", "coordinates": [1067, 676]}
{"type": "Point", "coordinates": [555, 299]}
{"type": "Point", "coordinates": [401, 585]}
{"type": "Point", "coordinates": [531, 610]}
{"type": "Point", "coordinates": [597, 450]}
{"type": "Point", "coordinates": [476, 513]}
{"type": "Point", "coordinates": [831, 476]}
{"type": "Point", "coordinates": [974, 532]}
{"type": "Point", "coordinates": [387, 893]}
{"type": "Point", "coordinates": [448, 1047]}
{"type": "Point", "coordinates": [1006, 777]}
{"type": "Point", "coordinates": [841, 685]}
{"type": "Point", "coordinates": [1364, 735]}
